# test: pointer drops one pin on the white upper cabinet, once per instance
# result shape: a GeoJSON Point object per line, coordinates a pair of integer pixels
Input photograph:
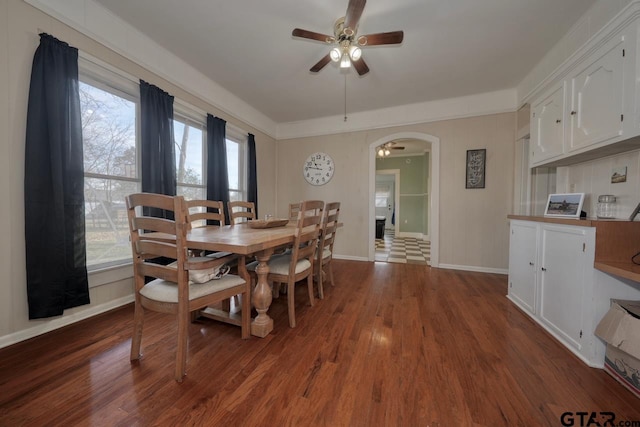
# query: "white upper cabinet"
{"type": "Point", "coordinates": [597, 97]}
{"type": "Point", "coordinates": [547, 126]}
{"type": "Point", "coordinates": [588, 109]}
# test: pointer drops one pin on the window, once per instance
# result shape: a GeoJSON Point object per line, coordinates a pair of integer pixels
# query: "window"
{"type": "Point", "coordinates": [190, 166]}
{"type": "Point", "coordinates": [110, 106]}
{"type": "Point", "coordinates": [382, 196]}
{"type": "Point", "coordinates": [109, 129]}
{"type": "Point", "coordinates": [237, 165]}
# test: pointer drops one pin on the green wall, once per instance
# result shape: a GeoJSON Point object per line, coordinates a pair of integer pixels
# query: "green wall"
{"type": "Point", "coordinates": [414, 181]}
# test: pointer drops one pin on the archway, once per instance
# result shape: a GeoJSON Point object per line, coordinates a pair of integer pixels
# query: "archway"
{"type": "Point", "coordinates": [434, 196]}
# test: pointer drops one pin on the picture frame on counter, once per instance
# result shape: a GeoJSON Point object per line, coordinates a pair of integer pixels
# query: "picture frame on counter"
{"type": "Point", "coordinates": [564, 205]}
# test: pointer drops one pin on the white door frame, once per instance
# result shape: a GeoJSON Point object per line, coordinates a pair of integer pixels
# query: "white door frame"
{"type": "Point", "coordinates": [434, 217]}
{"type": "Point", "coordinates": [396, 193]}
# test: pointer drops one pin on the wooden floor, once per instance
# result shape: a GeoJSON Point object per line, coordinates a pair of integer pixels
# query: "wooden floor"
{"type": "Point", "coordinates": [390, 345]}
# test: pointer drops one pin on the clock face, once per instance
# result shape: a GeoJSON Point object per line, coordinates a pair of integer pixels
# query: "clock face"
{"type": "Point", "coordinates": [318, 168]}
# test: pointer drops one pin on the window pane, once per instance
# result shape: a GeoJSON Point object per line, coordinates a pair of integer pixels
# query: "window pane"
{"type": "Point", "coordinates": [188, 140]}
{"type": "Point", "coordinates": [108, 132]}
{"type": "Point", "coordinates": [192, 193]}
{"type": "Point", "coordinates": [107, 230]}
{"type": "Point", "coordinates": [235, 196]}
{"type": "Point", "coordinates": [233, 164]}
{"type": "Point", "coordinates": [109, 148]}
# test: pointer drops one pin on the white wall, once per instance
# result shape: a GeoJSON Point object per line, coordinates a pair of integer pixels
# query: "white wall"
{"type": "Point", "coordinates": [594, 178]}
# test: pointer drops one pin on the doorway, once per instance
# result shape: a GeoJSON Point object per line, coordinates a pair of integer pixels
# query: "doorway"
{"type": "Point", "coordinates": [387, 203]}
{"type": "Point", "coordinates": [434, 193]}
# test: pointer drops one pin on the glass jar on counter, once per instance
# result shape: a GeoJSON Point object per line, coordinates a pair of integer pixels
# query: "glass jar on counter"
{"type": "Point", "coordinates": [606, 206]}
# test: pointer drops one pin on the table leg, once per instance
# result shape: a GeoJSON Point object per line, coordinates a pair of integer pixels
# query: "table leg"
{"type": "Point", "coordinates": [261, 297]}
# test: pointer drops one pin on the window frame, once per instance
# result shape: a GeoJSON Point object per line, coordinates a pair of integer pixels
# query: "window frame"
{"type": "Point", "coordinates": [102, 76]}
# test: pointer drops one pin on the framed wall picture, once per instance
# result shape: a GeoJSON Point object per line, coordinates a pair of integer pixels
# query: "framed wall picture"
{"type": "Point", "coordinates": [476, 163]}
{"type": "Point", "coordinates": [564, 205]}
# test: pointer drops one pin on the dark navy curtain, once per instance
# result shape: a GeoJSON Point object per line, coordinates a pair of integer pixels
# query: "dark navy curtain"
{"type": "Point", "coordinates": [252, 175]}
{"type": "Point", "coordinates": [217, 176]}
{"type": "Point", "coordinates": [157, 148]}
{"type": "Point", "coordinates": [54, 184]}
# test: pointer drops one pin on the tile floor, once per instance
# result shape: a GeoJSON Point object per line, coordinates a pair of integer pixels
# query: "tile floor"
{"type": "Point", "coordinates": [405, 250]}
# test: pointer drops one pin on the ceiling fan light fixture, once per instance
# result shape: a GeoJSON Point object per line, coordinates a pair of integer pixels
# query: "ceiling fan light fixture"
{"type": "Point", "coordinates": [355, 52]}
{"type": "Point", "coordinates": [381, 153]}
{"type": "Point", "coordinates": [386, 152]}
{"type": "Point", "coordinates": [345, 62]}
{"type": "Point", "coordinates": [335, 54]}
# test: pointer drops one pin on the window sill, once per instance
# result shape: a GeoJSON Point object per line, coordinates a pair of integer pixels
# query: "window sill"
{"type": "Point", "coordinates": [108, 275]}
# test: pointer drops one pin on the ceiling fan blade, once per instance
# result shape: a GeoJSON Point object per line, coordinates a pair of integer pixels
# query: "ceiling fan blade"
{"type": "Point", "coordinates": [306, 34]}
{"type": "Point", "coordinates": [393, 37]}
{"type": "Point", "coordinates": [361, 66]}
{"type": "Point", "coordinates": [354, 11]}
{"type": "Point", "coordinates": [320, 64]}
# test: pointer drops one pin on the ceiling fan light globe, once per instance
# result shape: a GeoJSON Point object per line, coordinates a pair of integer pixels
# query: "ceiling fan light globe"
{"type": "Point", "coordinates": [381, 152]}
{"type": "Point", "coordinates": [345, 62]}
{"type": "Point", "coordinates": [386, 152]}
{"type": "Point", "coordinates": [355, 53]}
{"type": "Point", "coordinates": [335, 54]}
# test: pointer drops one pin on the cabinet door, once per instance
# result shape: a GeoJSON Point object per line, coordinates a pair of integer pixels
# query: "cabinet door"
{"type": "Point", "coordinates": [563, 263]}
{"type": "Point", "coordinates": [547, 127]}
{"type": "Point", "coordinates": [522, 265]}
{"type": "Point", "coordinates": [597, 98]}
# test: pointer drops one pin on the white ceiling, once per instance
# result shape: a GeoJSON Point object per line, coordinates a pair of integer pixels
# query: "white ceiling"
{"type": "Point", "coordinates": [451, 48]}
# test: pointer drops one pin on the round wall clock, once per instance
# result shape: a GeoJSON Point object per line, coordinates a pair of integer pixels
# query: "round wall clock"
{"type": "Point", "coordinates": [318, 168]}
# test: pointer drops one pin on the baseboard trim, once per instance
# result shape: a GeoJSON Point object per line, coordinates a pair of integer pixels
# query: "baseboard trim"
{"type": "Point", "coordinates": [351, 258]}
{"type": "Point", "coordinates": [474, 268]}
{"type": "Point", "coordinates": [65, 320]}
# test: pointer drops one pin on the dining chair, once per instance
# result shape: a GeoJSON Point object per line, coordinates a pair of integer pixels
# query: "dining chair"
{"type": "Point", "coordinates": [205, 212]}
{"type": "Point", "coordinates": [201, 213]}
{"type": "Point", "coordinates": [240, 211]}
{"type": "Point", "coordinates": [297, 264]}
{"type": "Point", "coordinates": [324, 253]}
{"type": "Point", "coordinates": [183, 286]}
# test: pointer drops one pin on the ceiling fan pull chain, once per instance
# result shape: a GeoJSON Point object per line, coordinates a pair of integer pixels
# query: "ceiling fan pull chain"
{"type": "Point", "coordinates": [345, 97]}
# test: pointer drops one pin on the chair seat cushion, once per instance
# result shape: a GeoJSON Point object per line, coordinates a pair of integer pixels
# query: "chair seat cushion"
{"type": "Point", "coordinates": [279, 264]}
{"type": "Point", "coordinates": [326, 253]}
{"type": "Point", "coordinates": [164, 291]}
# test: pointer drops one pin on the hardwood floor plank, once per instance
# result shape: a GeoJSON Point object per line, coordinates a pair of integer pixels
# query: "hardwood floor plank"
{"type": "Point", "coordinates": [390, 345]}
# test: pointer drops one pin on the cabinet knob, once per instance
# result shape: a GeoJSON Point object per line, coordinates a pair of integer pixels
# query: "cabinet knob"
{"type": "Point", "coordinates": [558, 121]}
{"type": "Point", "coordinates": [543, 269]}
{"type": "Point", "coordinates": [573, 113]}
{"type": "Point", "coordinates": [530, 263]}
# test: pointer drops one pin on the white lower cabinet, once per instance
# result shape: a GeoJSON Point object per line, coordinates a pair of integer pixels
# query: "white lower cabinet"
{"type": "Point", "coordinates": [522, 264]}
{"type": "Point", "coordinates": [551, 279]}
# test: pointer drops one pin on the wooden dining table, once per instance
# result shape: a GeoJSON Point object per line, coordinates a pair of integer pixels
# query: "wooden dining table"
{"type": "Point", "coordinates": [244, 240]}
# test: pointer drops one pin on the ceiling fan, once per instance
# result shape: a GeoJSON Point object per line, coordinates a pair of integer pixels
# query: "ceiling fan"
{"type": "Point", "coordinates": [348, 45]}
{"type": "Point", "coordinates": [385, 149]}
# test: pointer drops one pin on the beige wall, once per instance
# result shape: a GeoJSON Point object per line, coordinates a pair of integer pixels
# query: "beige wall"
{"type": "Point", "coordinates": [19, 28]}
{"type": "Point", "coordinates": [473, 223]}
